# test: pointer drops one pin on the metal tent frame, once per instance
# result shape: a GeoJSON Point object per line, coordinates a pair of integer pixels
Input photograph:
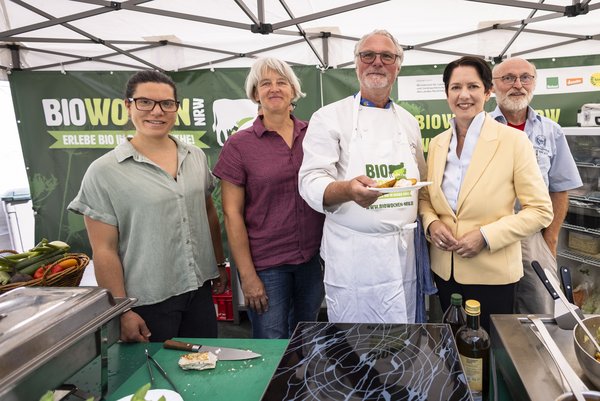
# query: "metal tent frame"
{"type": "Point", "coordinates": [61, 34]}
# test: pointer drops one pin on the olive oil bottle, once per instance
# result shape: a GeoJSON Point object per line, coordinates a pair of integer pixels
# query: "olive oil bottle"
{"type": "Point", "coordinates": [473, 344]}
{"type": "Point", "coordinates": [455, 315]}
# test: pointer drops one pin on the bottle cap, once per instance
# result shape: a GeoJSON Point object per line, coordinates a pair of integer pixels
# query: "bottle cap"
{"type": "Point", "coordinates": [472, 307]}
{"type": "Point", "coordinates": [456, 299]}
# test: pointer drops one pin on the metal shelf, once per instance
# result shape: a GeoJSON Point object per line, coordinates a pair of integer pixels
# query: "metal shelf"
{"type": "Point", "coordinates": [585, 199]}
{"type": "Point", "coordinates": [581, 229]}
{"type": "Point", "coordinates": [590, 260]}
{"type": "Point", "coordinates": [583, 164]}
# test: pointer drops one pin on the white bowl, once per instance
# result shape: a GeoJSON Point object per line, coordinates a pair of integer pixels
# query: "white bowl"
{"type": "Point", "coordinates": [154, 395]}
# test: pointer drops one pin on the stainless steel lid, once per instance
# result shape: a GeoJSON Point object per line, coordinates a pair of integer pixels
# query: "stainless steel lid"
{"type": "Point", "coordinates": [39, 323]}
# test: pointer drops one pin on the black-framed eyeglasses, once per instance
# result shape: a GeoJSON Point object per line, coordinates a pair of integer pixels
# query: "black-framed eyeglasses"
{"type": "Point", "coordinates": [145, 104]}
{"type": "Point", "coordinates": [368, 57]}
{"type": "Point", "coordinates": [525, 79]}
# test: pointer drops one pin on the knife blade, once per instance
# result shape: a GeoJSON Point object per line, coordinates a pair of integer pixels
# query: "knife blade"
{"type": "Point", "coordinates": [222, 353]}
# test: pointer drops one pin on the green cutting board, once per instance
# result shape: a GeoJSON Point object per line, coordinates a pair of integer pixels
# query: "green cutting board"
{"type": "Point", "coordinates": [230, 380]}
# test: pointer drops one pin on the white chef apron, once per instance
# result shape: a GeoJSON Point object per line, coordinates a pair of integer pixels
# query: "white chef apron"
{"type": "Point", "coordinates": [370, 273]}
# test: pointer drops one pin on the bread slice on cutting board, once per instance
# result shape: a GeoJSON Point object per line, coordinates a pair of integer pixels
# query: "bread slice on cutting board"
{"type": "Point", "coordinates": [198, 361]}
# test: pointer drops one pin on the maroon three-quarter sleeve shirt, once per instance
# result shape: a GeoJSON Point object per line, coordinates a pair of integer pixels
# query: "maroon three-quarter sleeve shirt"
{"type": "Point", "coordinates": [282, 228]}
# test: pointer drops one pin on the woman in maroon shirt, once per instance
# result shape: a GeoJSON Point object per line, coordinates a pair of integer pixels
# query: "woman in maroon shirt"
{"type": "Point", "coordinates": [273, 234]}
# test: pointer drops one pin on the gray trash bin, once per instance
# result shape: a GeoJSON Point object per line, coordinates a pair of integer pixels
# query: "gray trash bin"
{"type": "Point", "coordinates": [17, 223]}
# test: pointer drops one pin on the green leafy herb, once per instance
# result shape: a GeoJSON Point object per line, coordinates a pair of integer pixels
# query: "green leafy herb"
{"type": "Point", "coordinates": [400, 172]}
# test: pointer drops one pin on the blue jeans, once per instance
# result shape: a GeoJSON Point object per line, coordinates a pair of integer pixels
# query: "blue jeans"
{"type": "Point", "coordinates": [295, 294]}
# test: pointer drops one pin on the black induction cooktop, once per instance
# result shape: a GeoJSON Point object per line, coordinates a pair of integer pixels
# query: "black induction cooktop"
{"type": "Point", "coordinates": [347, 361]}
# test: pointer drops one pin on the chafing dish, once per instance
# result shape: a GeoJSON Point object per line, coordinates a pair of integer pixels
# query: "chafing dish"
{"type": "Point", "coordinates": [48, 333]}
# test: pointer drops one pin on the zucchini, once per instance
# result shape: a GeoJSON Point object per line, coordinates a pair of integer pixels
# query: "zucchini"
{"type": "Point", "coordinates": [30, 269]}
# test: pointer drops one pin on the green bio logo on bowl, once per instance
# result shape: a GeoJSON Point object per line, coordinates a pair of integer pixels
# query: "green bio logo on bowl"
{"type": "Point", "coordinates": [552, 83]}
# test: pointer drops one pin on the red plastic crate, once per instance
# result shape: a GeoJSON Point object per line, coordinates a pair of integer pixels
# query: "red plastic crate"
{"type": "Point", "coordinates": [224, 305]}
{"type": "Point", "coordinates": [224, 302]}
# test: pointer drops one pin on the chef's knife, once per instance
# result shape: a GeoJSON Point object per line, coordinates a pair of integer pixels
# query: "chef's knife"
{"type": "Point", "coordinates": [222, 353]}
{"type": "Point", "coordinates": [567, 285]}
{"type": "Point", "coordinates": [562, 315]}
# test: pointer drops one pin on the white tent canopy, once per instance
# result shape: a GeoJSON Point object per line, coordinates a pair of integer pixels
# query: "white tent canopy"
{"type": "Point", "coordinates": [176, 35]}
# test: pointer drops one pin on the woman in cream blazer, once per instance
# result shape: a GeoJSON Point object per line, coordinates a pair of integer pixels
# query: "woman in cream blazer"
{"type": "Point", "coordinates": [479, 169]}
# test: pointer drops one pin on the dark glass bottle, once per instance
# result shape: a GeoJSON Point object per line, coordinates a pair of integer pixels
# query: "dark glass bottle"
{"type": "Point", "coordinates": [455, 315]}
{"type": "Point", "coordinates": [473, 344]}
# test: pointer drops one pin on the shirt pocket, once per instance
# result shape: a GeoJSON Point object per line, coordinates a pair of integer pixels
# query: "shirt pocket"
{"type": "Point", "coordinates": [543, 160]}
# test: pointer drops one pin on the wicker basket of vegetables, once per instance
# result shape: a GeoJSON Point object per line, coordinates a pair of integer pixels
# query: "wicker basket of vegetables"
{"type": "Point", "coordinates": [47, 264]}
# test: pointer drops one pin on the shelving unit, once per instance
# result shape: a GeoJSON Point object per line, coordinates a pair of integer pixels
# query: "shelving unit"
{"type": "Point", "coordinates": [579, 240]}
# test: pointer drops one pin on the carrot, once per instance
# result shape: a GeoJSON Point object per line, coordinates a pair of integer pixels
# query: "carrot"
{"type": "Point", "coordinates": [67, 263]}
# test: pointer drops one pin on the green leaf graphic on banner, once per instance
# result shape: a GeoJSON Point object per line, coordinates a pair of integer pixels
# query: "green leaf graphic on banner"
{"type": "Point", "coordinates": [110, 139]}
{"type": "Point", "coordinates": [42, 186]}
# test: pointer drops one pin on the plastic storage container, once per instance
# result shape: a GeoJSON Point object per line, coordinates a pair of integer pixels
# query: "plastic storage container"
{"type": "Point", "coordinates": [584, 242]}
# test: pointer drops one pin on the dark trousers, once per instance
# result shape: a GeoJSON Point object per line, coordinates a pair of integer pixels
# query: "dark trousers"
{"type": "Point", "coordinates": [187, 315]}
{"type": "Point", "coordinates": [494, 299]}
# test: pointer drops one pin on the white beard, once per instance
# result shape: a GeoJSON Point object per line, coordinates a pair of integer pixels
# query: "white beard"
{"type": "Point", "coordinates": [375, 81]}
{"type": "Point", "coordinates": [513, 104]}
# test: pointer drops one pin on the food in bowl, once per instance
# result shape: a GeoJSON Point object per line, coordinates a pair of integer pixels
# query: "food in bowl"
{"type": "Point", "coordinates": [586, 353]}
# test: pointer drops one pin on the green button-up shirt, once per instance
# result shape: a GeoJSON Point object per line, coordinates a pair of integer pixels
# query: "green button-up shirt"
{"type": "Point", "coordinates": [164, 238]}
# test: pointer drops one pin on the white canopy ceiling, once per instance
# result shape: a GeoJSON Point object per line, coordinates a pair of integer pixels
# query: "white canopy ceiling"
{"type": "Point", "coordinates": [195, 34]}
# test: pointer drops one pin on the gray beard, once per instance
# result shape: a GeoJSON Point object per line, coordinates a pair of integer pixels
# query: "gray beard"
{"type": "Point", "coordinates": [375, 83]}
{"type": "Point", "coordinates": [514, 105]}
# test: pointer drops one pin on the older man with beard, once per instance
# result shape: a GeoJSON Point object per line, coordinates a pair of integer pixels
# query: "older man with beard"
{"type": "Point", "coordinates": [351, 147]}
{"type": "Point", "coordinates": [514, 84]}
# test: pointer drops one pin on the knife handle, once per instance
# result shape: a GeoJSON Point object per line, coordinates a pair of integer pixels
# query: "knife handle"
{"type": "Point", "coordinates": [565, 276]}
{"type": "Point", "coordinates": [540, 272]}
{"type": "Point", "coordinates": [172, 344]}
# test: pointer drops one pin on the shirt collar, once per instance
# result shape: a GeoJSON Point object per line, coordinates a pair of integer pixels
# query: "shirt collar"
{"type": "Point", "coordinates": [126, 150]}
{"type": "Point", "coordinates": [259, 127]}
{"type": "Point", "coordinates": [368, 103]}
{"type": "Point", "coordinates": [531, 115]}
{"type": "Point", "coordinates": [475, 126]}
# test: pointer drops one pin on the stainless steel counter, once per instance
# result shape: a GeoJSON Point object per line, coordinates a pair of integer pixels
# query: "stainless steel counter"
{"type": "Point", "coordinates": [524, 362]}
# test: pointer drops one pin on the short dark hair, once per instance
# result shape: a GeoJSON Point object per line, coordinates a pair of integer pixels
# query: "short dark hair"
{"type": "Point", "coordinates": [482, 68]}
{"type": "Point", "coordinates": [142, 77]}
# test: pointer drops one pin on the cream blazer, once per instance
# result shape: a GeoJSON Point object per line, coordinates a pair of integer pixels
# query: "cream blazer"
{"type": "Point", "coordinates": [503, 169]}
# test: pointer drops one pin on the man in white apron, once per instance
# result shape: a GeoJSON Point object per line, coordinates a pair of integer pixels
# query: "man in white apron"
{"type": "Point", "coordinates": [350, 146]}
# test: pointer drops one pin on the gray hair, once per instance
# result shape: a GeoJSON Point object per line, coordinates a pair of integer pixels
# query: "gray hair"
{"type": "Point", "coordinates": [258, 69]}
{"type": "Point", "coordinates": [399, 50]}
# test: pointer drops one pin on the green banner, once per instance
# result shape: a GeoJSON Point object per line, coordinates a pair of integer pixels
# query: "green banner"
{"type": "Point", "coordinates": [109, 139]}
{"type": "Point", "coordinates": [68, 120]}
